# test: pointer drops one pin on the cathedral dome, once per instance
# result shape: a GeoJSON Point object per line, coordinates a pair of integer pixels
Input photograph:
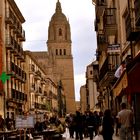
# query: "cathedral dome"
{"type": "Point", "coordinates": [58, 15]}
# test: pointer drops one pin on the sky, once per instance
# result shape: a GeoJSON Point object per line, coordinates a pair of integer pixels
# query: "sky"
{"type": "Point", "coordinates": [80, 13]}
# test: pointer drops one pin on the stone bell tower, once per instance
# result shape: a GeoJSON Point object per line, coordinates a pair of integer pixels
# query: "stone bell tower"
{"type": "Point", "coordinates": [60, 54]}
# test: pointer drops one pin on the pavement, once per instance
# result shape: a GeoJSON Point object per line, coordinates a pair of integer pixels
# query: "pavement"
{"type": "Point", "coordinates": [67, 137]}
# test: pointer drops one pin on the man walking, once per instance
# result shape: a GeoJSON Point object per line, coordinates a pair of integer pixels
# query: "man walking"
{"type": "Point", "coordinates": [125, 117]}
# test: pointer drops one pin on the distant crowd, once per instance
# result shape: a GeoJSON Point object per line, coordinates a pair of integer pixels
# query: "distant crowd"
{"type": "Point", "coordinates": [104, 123]}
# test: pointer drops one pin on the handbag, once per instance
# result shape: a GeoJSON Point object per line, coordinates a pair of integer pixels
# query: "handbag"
{"type": "Point", "coordinates": [98, 137]}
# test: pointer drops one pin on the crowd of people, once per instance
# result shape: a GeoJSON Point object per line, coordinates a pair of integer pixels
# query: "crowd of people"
{"type": "Point", "coordinates": [88, 124]}
{"type": "Point", "coordinates": [104, 123]}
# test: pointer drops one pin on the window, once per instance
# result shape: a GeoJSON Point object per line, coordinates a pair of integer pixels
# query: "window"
{"type": "Point", "coordinates": [64, 51]}
{"type": "Point", "coordinates": [60, 52]}
{"type": "Point", "coordinates": [91, 72]}
{"type": "Point", "coordinates": [60, 32]}
{"type": "Point", "coordinates": [56, 51]}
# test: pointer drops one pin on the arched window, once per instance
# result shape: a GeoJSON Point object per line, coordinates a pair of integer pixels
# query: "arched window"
{"type": "Point", "coordinates": [56, 51]}
{"type": "Point", "coordinates": [60, 52]}
{"type": "Point", "coordinates": [64, 51]}
{"type": "Point", "coordinates": [60, 32]}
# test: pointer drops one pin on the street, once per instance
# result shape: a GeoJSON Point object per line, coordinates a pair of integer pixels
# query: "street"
{"type": "Point", "coordinates": [66, 135]}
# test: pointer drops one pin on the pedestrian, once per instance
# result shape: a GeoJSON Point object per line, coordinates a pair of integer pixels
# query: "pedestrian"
{"type": "Point", "coordinates": [1, 123]}
{"type": "Point", "coordinates": [97, 121]}
{"type": "Point", "coordinates": [78, 120]}
{"type": "Point", "coordinates": [125, 117]}
{"type": "Point", "coordinates": [107, 125]}
{"type": "Point", "coordinates": [70, 124]}
{"type": "Point", "coordinates": [90, 121]}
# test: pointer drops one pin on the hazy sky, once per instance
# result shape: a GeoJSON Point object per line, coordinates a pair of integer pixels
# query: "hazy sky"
{"type": "Point", "coordinates": [80, 13]}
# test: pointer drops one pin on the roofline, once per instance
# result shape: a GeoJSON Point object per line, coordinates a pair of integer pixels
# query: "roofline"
{"type": "Point", "coordinates": [17, 11]}
{"type": "Point", "coordinates": [33, 58]}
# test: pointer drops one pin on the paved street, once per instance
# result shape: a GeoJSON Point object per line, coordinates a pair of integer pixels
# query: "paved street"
{"type": "Point", "coordinates": [66, 135]}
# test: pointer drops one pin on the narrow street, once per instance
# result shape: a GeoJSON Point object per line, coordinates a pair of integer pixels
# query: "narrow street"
{"type": "Point", "coordinates": [66, 135]}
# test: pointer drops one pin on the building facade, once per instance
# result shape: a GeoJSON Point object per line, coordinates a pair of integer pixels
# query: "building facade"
{"type": "Point", "coordinates": [88, 92]}
{"type": "Point", "coordinates": [108, 47]}
{"type": "Point", "coordinates": [118, 34]}
{"type": "Point", "coordinates": [13, 58]}
{"type": "Point", "coordinates": [58, 61]}
{"type": "Point", "coordinates": [31, 87]}
{"type": "Point", "coordinates": [91, 86]}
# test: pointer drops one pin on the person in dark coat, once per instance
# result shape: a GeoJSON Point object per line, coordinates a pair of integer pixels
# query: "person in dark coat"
{"type": "Point", "coordinates": [78, 119]}
{"type": "Point", "coordinates": [90, 121]}
{"type": "Point", "coordinates": [108, 125]}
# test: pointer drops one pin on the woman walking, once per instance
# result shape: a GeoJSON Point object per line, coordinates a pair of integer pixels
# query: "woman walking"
{"type": "Point", "coordinates": [108, 125]}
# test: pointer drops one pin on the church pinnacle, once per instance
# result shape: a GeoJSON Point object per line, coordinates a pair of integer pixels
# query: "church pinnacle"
{"type": "Point", "coordinates": [58, 7]}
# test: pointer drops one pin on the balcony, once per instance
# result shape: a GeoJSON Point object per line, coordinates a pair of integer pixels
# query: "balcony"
{"type": "Point", "coordinates": [38, 75]}
{"type": "Point", "coordinates": [102, 43]}
{"type": "Point", "coordinates": [9, 42]}
{"type": "Point", "coordinates": [22, 37]}
{"type": "Point", "coordinates": [40, 106]}
{"type": "Point", "coordinates": [100, 7]}
{"type": "Point", "coordinates": [16, 72]}
{"type": "Point", "coordinates": [106, 73]}
{"type": "Point", "coordinates": [19, 52]}
{"type": "Point", "coordinates": [132, 33]}
{"type": "Point", "coordinates": [137, 12]}
{"type": "Point", "coordinates": [20, 32]}
{"type": "Point", "coordinates": [9, 17]}
{"type": "Point", "coordinates": [18, 96]}
{"type": "Point", "coordinates": [109, 20]}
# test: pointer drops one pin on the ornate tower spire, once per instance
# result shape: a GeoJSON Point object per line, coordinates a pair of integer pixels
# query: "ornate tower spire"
{"type": "Point", "coordinates": [58, 7]}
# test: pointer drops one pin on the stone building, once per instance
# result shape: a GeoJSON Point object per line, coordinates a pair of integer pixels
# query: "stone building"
{"type": "Point", "coordinates": [58, 61]}
{"type": "Point", "coordinates": [91, 87]}
{"type": "Point", "coordinates": [37, 86]}
{"type": "Point", "coordinates": [13, 58]}
{"type": "Point", "coordinates": [88, 92]}
{"type": "Point", "coordinates": [108, 47]}
{"type": "Point", "coordinates": [118, 37]}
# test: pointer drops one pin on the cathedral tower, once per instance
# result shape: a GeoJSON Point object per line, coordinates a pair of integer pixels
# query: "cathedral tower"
{"type": "Point", "coordinates": [59, 51]}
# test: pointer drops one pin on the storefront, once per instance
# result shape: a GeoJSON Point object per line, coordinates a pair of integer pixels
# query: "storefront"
{"type": "Point", "coordinates": [134, 89]}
